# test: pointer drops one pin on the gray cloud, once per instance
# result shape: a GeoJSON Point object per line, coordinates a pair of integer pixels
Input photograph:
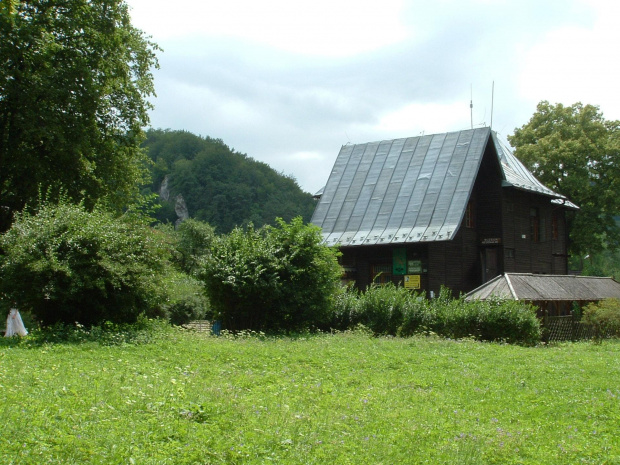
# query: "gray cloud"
{"type": "Point", "coordinates": [274, 105]}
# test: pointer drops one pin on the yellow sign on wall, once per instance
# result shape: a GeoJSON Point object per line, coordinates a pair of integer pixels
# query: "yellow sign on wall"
{"type": "Point", "coordinates": [412, 281]}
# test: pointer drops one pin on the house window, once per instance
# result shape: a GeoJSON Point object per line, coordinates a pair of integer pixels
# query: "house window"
{"type": "Point", "coordinates": [381, 273]}
{"type": "Point", "coordinates": [510, 253]}
{"type": "Point", "coordinates": [555, 229]}
{"type": "Point", "coordinates": [469, 215]}
{"type": "Point", "coordinates": [534, 225]}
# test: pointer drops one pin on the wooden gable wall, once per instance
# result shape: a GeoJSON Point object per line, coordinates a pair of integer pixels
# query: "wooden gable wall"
{"type": "Point", "coordinates": [524, 254]}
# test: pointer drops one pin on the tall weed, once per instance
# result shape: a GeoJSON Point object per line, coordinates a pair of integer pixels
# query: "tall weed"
{"type": "Point", "coordinates": [382, 308]}
{"type": "Point", "coordinates": [345, 308]}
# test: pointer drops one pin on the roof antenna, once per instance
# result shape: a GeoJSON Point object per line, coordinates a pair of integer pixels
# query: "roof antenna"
{"type": "Point", "coordinates": [492, 97]}
{"type": "Point", "coordinates": [471, 105]}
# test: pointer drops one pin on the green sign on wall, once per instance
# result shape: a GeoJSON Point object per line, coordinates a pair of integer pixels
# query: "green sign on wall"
{"type": "Point", "coordinates": [399, 261]}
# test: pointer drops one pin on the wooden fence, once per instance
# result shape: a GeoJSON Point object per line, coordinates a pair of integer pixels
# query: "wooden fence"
{"type": "Point", "coordinates": [204, 326]}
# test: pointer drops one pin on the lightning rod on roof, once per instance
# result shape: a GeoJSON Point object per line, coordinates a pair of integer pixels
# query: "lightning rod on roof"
{"type": "Point", "coordinates": [471, 105]}
{"type": "Point", "coordinates": [492, 97]}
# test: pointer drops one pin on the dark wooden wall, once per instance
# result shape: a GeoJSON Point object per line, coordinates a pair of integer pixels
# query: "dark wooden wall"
{"type": "Point", "coordinates": [549, 254]}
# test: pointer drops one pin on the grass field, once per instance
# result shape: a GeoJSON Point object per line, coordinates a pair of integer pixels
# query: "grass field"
{"type": "Point", "coordinates": [332, 399]}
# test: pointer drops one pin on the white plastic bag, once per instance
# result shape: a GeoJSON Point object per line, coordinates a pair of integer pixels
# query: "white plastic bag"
{"type": "Point", "coordinates": [14, 324]}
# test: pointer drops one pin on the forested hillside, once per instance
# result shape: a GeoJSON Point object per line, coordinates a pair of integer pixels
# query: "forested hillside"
{"type": "Point", "coordinates": [220, 186]}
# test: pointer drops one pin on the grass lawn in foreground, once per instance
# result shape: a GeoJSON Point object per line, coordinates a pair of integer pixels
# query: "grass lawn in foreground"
{"type": "Point", "coordinates": [328, 399]}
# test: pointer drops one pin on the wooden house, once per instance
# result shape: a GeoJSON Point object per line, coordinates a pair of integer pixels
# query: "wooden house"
{"type": "Point", "coordinates": [453, 209]}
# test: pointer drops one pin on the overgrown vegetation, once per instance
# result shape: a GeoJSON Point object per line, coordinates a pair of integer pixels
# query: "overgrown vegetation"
{"type": "Point", "coordinates": [274, 278]}
{"type": "Point", "coordinates": [605, 263]}
{"type": "Point", "coordinates": [186, 398]}
{"type": "Point", "coordinates": [68, 265]}
{"type": "Point", "coordinates": [143, 331]}
{"type": "Point", "coordinates": [603, 317]}
{"type": "Point", "coordinates": [192, 242]}
{"type": "Point", "coordinates": [392, 310]}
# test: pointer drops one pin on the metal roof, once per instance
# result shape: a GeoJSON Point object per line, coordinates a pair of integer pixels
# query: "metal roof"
{"type": "Point", "coordinates": [410, 190]}
{"type": "Point", "coordinates": [540, 287]}
{"type": "Point", "coordinates": [518, 176]}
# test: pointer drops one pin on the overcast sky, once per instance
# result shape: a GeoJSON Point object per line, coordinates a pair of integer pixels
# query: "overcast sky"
{"type": "Point", "coordinates": [289, 82]}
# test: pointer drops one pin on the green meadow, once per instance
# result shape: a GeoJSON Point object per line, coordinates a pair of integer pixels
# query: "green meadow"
{"type": "Point", "coordinates": [347, 398]}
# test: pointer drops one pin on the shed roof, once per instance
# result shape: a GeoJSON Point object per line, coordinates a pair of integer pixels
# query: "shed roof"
{"type": "Point", "coordinates": [410, 190]}
{"type": "Point", "coordinates": [541, 287]}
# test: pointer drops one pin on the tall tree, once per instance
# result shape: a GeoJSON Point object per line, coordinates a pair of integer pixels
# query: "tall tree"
{"type": "Point", "coordinates": [576, 152]}
{"type": "Point", "coordinates": [75, 77]}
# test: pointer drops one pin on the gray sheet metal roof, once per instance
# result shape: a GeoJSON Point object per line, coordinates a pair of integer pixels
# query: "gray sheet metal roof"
{"type": "Point", "coordinates": [518, 176]}
{"type": "Point", "coordinates": [409, 190]}
{"type": "Point", "coordinates": [537, 287]}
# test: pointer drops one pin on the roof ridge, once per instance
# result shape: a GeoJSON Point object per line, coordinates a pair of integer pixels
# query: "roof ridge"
{"type": "Point", "coordinates": [512, 289]}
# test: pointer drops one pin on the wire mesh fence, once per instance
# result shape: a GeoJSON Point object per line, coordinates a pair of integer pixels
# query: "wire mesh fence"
{"type": "Point", "coordinates": [567, 328]}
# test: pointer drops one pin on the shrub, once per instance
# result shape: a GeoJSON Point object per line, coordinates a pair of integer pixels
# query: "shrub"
{"type": "Point", "coordinates": [453, 318]}
{"type": "Point", "coordinates": [68, 265]}
{"type": "Point", "coordinates": [508, 320]}
{"type": "Point", "coordinates": [603, 318]}
{"type": "Point", "coordinates": [186, 299]}
{"type": "Point", "coordinates": [192, 243]}
{"type": "Point", "coordinates": [417, 318]}
{"type": "Point", "coordinates": [393, 310]}
{"type": "Point", "coordinates": [344, 308]}
{"type": "Point", "coordinates": [491, 320]}
{"type": "Point", "coordinates": [272, 278]}
{"type": "Point", "coordinates": [382, 307]}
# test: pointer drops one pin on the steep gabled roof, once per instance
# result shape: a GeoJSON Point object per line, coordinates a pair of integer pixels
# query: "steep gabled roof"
{"type": "Point", "coordinates": [410, 190]}
{"type": "Point", "coordinates": [541, 287]}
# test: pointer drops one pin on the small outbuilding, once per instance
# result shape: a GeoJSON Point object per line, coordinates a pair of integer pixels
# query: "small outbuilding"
{"type": "Point", "coordinates": [554, 295]}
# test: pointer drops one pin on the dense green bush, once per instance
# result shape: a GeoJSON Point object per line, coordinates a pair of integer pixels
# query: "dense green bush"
{"type": "Point", "coordinates": [382, 308]}
{"type": "Point", "coordinates": [186, 299]}
{"type": "Point", "coordinates": [68, 265]}
{"type": "Point", "coordinates": [603, 318]}
{"type": "Point", "coordinates": [508, 320]}
{"type": "Point", "coordinates": [272, 278]}
{"type": "Point", "coordinates": [391, 310]}
{"type": "Point", "coordinates": [344, 308]}
{"type": "Point", "coordinates": [417, 318]}
{"type": "Point", "coordinates": [192, 241]}
{"type": "Point", "coordinates": [490, 320]}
